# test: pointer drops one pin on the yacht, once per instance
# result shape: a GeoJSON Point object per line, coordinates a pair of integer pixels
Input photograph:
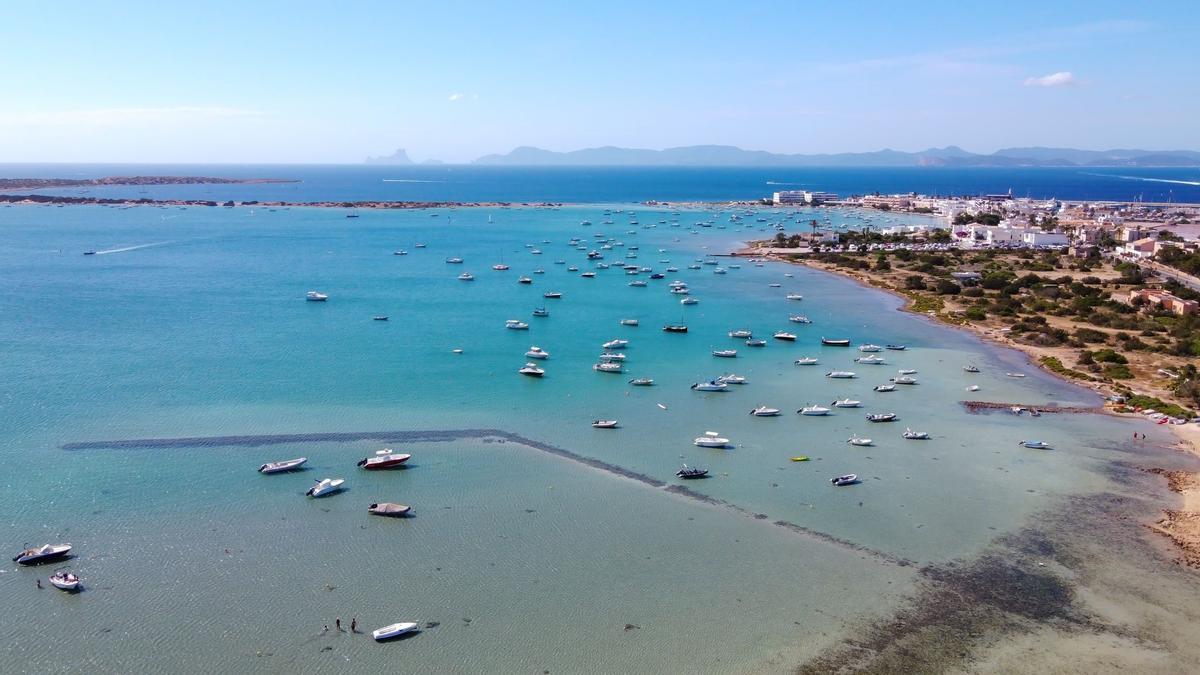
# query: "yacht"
{"type": "Point", "coordinates": [725, 353]}
{"type": "Point", "coordinates": [688, 472]}
{"type": "Point", "coordinates": [454, 261]}
{"type": "Point", "coordinates": [513, 324]}
{"type": "Point", "coordinates": [42, 554]}
{"type": "Point", "coordinates": [629, 322]}
{"type": "Point", "coordinates": [784, 335]}
{"type": "Point", "coordinates": [689, 301]}
{"type": "Point", "coordinates": [799, 318]}
{"type": "Point", "coordinates": [642, 382]}
{"type": "Point", "coordinates": [871, 360]}
{"type": "Point", "coordinates": [500, 267]}
{"type": "Point", "coordinates": [841, 374]}
{"type": "Point", "coordinates": [970, 369]}
{"type": "Point", "coordinates": [608, 367]}
{"type": "Point", "coordinates": [916, 435]}
{"type": "Point", "coordinates": [393, 631]}
{"type": "Point", "coordinates": [881, 417]}
{"type": "Point", "coordinates": [1036, 445]}
{"type": "Point", "coordinates": [466, 276]}
{"type": "Point", "coordinates": [794, 296]}
{"type": "Point", "coordinates": [313, 296]}
{"type": "Point", "coordinates": [740, 334]}
{"type": "Point", "coordinates": [604, 424]}
{"type": "Point", "coordinates": [764, 411]}
{"type": "Point", "coordinates": [847, 403]}
{"type": "Point", "coordinates": [814, 411]}
{"type": "Point", "coordinates": [541, 311]}
{"type": "Point", "coordinates": [612, 356]}
{"type": "Point", "coordinates": [675, 328]}
{"type": "Point", "coordinates": [859, 440]}
{"type": "Point", "coordinates": [524, 280]}
{"type": "Point", "coordinates": [885, 387]}
{"type": "Point", "coordinates": [848, 479]}
{"type": "Point", "coordinates": [869, 348]}
{"type": "Point", "coordinates": [711, 439]}
{"type": "Point", "coordinates": [904, 379]}
{"type": "Point", "coordinates": [828, 342]}
{"type": "Point", "coordinates": [281, 467]}
{"type": "Point", "coordinates": [553, 295]}
{"type": "Point", "coordinates": [383, 459]}
{"type": "Point", "coordinates": [325, 486]}
{"type": "Point", "coordinates": [536, 352]}
{"type": "Point", "coordinates": [616, 344]}
{"type": "Point", "coordinates": [531, 370]}
{"type": "Point", "coordinates": [732, 378]}
{"type": "Point", "coordinates": [64, 580]}
{"type": "Point", "coordinates": [711, 385]}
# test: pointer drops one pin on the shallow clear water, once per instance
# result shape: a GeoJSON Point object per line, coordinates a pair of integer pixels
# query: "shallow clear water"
{"type": "Point", "coordinates": [193, 323]}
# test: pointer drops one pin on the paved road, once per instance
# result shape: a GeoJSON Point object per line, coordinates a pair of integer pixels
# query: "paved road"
{"type": "Point", "coordinates": [1171, 273]}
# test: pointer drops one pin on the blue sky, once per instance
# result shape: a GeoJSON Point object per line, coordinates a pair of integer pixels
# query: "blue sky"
{"type": "Point", "coordinates": [298, 81]}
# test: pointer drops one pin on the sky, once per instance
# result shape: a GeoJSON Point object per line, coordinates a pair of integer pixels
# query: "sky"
{"type": "Point", "coordinates": [260, 81]}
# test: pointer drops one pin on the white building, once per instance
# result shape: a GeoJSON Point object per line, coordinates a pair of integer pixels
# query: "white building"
{"type": "Point", "coordinates": [1040, 238]}
{"type": "Point", "coordinates": [789, 197]}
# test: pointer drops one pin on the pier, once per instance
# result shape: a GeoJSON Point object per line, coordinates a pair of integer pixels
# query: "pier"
{"type": "Point", "coordinates": [976, 407]}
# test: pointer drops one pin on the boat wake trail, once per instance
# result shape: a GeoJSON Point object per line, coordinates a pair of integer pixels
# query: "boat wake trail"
{"type": "Point", "coordinates": [131, 248]}
{"type": "Point", "coordinates": [1174, 181]}
{"type": "Point", "coordinates": [410, 180]}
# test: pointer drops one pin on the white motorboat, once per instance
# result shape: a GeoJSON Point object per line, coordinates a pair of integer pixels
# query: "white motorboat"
{"type": "Point", "coordinates": [784, 335]}
{"type": "Point", "coordinates": [418, 245]}
{"type": "Point", "coordinates": [454, 261]}
{"type": "Point", "coordinates": [841, 375]}
{"type": "Point", "coordinates": [1015, 374]}
{"type": "Point", "coordinates": [847, 403]}
{"type": "Point", "coordinates": [719, 270]}
{"type": "Point", "coordinates": [41, 554]}
{"type": "Point", "coordinates": [466, 276]}
{"type": "Point", "coordinates": [532, 370]}
{"type": "Point", "coordinates": [325, 486]}
{"type": "Point", "coordinates": [814, 411]}
{"type": "Point", "coordinates": [524, 280]}
{"type": "Point", "coordinates": [384, 459]}
{"type": "Point", "coordinates": [608, 367]}
{"type": "Point", "coordinates": [612, 356]}
{"type": "Point", "coordinates": [725, 353]}
{"type": "Point", "coordinates": [711, 439]}
{"type": "Point", "coordinates": [973, 387]}
{"type": "Point", "coordinates": [536, 352]}
{"type": "Point", "coordinates": [774, 285]}
{"type": "Point", "coordinates": [885, 387]}
{"type": "Point", "coordinates": [1036, 445]}
{"type": "Point", "coordinates": [799, 318]}
{"type": "Point", "coordinates": [970, 369]}
{"type": "Point", "coordinates": [285, 465]}
{"type": "Point", "coordinates": [553, 295]}
{"type": "Point", "coordinates": [904, 379]}
{"type": "Point", "coordinates": [881, 417]}
{"type": "Point", "coordinates": [848, 479]}
{"type": "Point", "coordinates": [629, 322]}
{"type": "Point", "coordinates": [642, 382]}
{"type": "Point", "coordinates": [741, 334]}
{"type": "Point", "coordinates": [711, 385]}
{"type": "Point", "coordinates": [871, 360]}
{"type": "Point", "coordinates": [868, 348]}
{"type": "Point", "coordinates": [615, 344]}
{"type": "Point", "coordinates": [64, 580]}
{"type": "Point", "coordinates": [500, 267]}
{"type": "Point", "coordinates": [732, 378]}
{"type": "Point", "coordinates": [764, 411]}
{"type": "Point", "coordinates": [400, 252]}
{"type": "Point", "coordinates": [794, 296]}
{"type": "Point", "coordinates": [513, 324]}
{"type": "Point", "coordinates": [541, 311]}
{"type": "Point", "coordinates": [807, 361]}
{"type": "Point", "coordinates": [859, 440]}
{"type": "Point", "coordinates": [916, 435]}
{"type": "Point", "coordinates": [908, 371]}
{"type": "Point", "coordinates": [393, 631]}
{"type": "Point", "coordinates": [638, 283]}
{"type": "Point", "coordinates": [689, 301]}
{"type": "Point", "coordinates": [756, 343]}
{"type": "Point", "coordinates": [314, 296]}
{"type": "Point", "coordinates": [604, 424]}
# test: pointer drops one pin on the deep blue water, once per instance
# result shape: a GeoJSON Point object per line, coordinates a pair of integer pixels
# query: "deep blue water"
{"type": "Point", "coordinates": [625, 184]}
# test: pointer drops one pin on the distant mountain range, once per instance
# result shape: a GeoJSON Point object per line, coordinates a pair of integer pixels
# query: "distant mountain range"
{"type": "Point", "coordinates": [398, 158]}
{"type": "Point", "coordinates": [725, 155]}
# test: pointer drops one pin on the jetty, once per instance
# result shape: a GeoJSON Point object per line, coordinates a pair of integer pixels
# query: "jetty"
{"type": "Point", "coordinates": [976, 407]}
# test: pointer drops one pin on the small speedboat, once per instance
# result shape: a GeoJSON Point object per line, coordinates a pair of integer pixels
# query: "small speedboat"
{"type": "Point", "coordinates": [615, 344]}
{"type": "Point", "coordinates": [908, 371]}
{"type": "Point", "coordinates": [784, 335]}
{"type": "Point", "coordinates": [384, 459]}
{"type": "Point", "coordinates": [393, 631]}
{"type": "Point", "coordinates": [466, 276]}
{"type": "Point", "coordinates": [799, 318]}
{"type": "Point", "coordinates": [689, 301]}
{"type": "Point", "coordinates": [971, 369]}
{"type": "Point", "coordinates": [756, 343]}
{"type": "Point", "coordinates": [828, 342]}
{"type": "Point", "coordinates": [1015, 374]}
{"type": "Point", "coordinates": [794, 296]}
{"type": "Point", "coordinates": [629, 322]}
{"type": "Point", "coordinates": [604, 424]}
{"type": "Point", "coordinates": [896, 348]}
{"type": "Point", "coordinates": [513, 324]}
{"type": "Point", "coordinates": [531, 370]}
{"type": "Point", "coordinates": [1036, 445]}
{"type": "Point", "coordinates": [314, 296]}
{"type": "Point", "coordinates": [741, 334]}
{"type": "Point", "coordinates": [711, 385]}
{"type": "Point", "coordinates": [674, 329]}
{"type": "Point", "coordinates": [973, 387]}
{"type": "Point", "coordinates": [732, 378]}
{"type": "Point", "coordinates": [285, 465]}
{"type": "Point", "coordinates": [554, 295]}
{"type": "Point", "coordinates": [711, 439]}
{"type": "Point", "coordinates": [64, 580]}
{"type": "Point", "coordinates": [379, 318]}
{"type": "Point", "coordinates": [524, 280]}
{"type": "Point", "coordinates": [637, 283]}
{"type": "Point", "coordinates": [904, 379]}
{"type": "Point", "coordinates": [859, 440]}
{"type": "Point", "coordinates": [841, 375]}
{"type": "Point", "coordinates": [536, 352]}
{"type": "Point", "coordinates": [807, 361]}
{"type": "Point", "coordinates": [42, 554]}
{"type": "Point", "coordinates": [608, 367]}
{"type": "Point", "coordinates": [389, 509]}
{"type": "Point", "coordinates": [725, 353]}
{"type": "Point", "coordinates": [848, 479]}
{"type": "Point", "coordinates": [869, 348]}
{"type": "Point", "coordinates": [871, 360]}
{"type": "Point", "coordinates": [690, 472]}
{"type": "Point", "coordinates": [325, 486]}
{"type": "Point", "coordinates": [881, 417]}
{"type": "Point", "coordinates": [916, 435]}
{"type": "Point", "coordinates": [814, 411]}
{"type": "Point", "coordinates": [418, 245]}
{"type": "Point", "coordinates": [642, 382]}
{"type": "Point", "coordinates": [454, 261]}
{"type": "Point", "coordinates": [400, 252]}
{"type": "Point", "coordinates": [764, 411]}
{"type": "Point", "coordinates": [885, 387]}
{"type": "Point", "coordinates": [774, 285]}
{"type": "Point", "coordinates": [541, 311]}
{"type": "Point", "coordinates": [847, 403]}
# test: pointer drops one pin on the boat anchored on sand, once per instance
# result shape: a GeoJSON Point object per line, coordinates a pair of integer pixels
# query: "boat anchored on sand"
{"type": "Point", "coordinates": [42, 554]}
{"type": "Point", "coordinates": [711, 439]}
{"type": "Point", "coordinates": [389, 509]}
{"type": "Point", "coordinates": [383, 459]}
{"type": "Point", "coordinates": [394, 631]}
{"type": "Point", "coordinates": [281, 467]}
{"type": "Point", "coordinates": [325, 487]}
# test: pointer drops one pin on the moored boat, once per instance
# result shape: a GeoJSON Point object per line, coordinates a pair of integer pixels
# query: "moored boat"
{"type": "Point", "coordinates": [711, 439]}
{"type": "Point", "coordinates": [785, 336]}
{"type": "Point", "coordinates": [541, 311]}
{"type": "Point", "coordinates": [814, 411]}
{"type": "Point", "coordinates": [885, 387]}
{"type": "Point", "coordinates": [847, 479]}
{"type": "Point", "coordinates": [383, 459]}
{"type": "Point", "coordinates": [325, 486]}
{"type": "Point", "coordinates": [830, 342]}
{"type": "Point", "coordinates": [608, 367]}
{"type": "Point", "coordinates": [847, 403]}
{"type": "Point", "coordinates": [764, 411]}
{"type": "Point", "coordinates": [282, 466]}
{"type": "Point", "coordinates": [389, 509]}
{"type": "Point", "coordinates": [64, 580]}
{"type": "Point", "coordinates": [531, 370]}
{"type": "Point", "coordinates": [725, 353]}
{"type": "Point", "coordinates": [1036, 445]}
{"type": "Point", "coordinates": [675, 328]}
{"type": "Point", "coordinates": [807, 361]}
{"type": "Point", "coordinates": [711, 385]}
{"type": "Point", "coordinates": [841, 375]}
{"type": "Point", "coordinates": [881, 417]}
{"type": "Point", "coordinates": [393, 631]}
{"type": "Point", "coordinates": [314, 296]}
{"type": "Point", "coordinates": [859, 440]}
{"type": "Point", "coordinates": [42, 554]}
{"type": "Point", "coordinates": [915, 435]}
{"type": "Point", "coordinates": [642, 382]}
{"type": "Point", "coordinates": [536, 352]}
{"type": "Point", "coordinates": [604, 424]}
{"type": "Point", "coordinates": [513, 324]}
{"type": "Point", "coordinates": [690, 472]}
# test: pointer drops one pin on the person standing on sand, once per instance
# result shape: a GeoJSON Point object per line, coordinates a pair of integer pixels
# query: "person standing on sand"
{"type": "Point", "coordinates": [337, 623]}
{"type": "Point", "coordinates": [354, 624]}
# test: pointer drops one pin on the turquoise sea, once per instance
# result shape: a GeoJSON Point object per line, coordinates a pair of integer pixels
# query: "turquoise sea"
{"type": "Point", "coordinates": [545, 544]}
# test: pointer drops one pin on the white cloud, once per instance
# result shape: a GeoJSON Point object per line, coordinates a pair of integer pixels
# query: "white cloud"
{"type": "Point", "coordinates": [1060, 79]}
{"type": "Point", "coordinates": [457, 97]}
{"type": "Point", "coordinates": [124, 116]}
